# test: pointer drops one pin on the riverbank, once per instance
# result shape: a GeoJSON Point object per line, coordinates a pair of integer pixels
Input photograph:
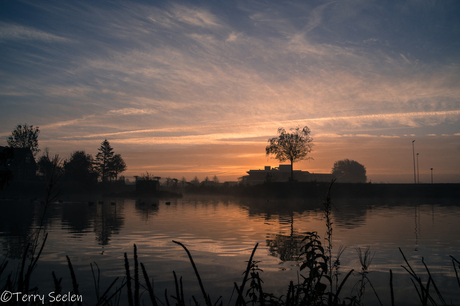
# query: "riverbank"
{"type": "Point", "coordinates": [283, 190]}
{"type": "Point", "coordinates": [315, 190]}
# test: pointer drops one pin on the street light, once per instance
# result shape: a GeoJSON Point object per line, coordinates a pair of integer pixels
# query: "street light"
{"type": "Point", "coordinates": [413, 155]}
{"type": "Point", "coordinates": [431, 175]}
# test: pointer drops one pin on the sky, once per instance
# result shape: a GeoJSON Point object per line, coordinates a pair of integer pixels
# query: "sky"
{"type": "Point", "coordinates": [196, 88]}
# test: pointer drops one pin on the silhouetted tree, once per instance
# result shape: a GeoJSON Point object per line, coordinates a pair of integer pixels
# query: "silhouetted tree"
{"type": "Point", "coordinates": [117, 165]}
{"type": "Point", "coordinates": [107, 163]}
{"type": "Point", "coordinates": [293, 146]}
{"type": "Point", "coordinates": [349, 171]}
{"type": "Point", "coordinates": [183, 182]}
{"type": "Point", "coordinates": [147, 176]}
{"type": "Point", "coordinates": [195, 181]}
{"type": "Point", "coordinates": [104, 160]}
{"type": "Point", "coordinates": [80, 168]}
{"type": "Point", "coordinates": [45, 165]}
{"type": "Point", "coordinates": [25, 136]}
{"type": "Point", "coordinates": [215, 179]}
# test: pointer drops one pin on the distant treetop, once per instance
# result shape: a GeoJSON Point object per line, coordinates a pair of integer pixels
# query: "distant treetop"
{"type": "Point", "coordinates": [25, 136]}
{"type": "Point", "coordinates": [108, 164]}
{"type": "Point", "coordinates": [349, 171]}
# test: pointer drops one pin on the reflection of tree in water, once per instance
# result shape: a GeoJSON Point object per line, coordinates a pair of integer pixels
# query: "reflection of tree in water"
{"type": "Point", "coordinates": [286, 247]}
{"type": "Point", "coordinates": [109, 219]}
{"type": "Point", "coordinates": [78, 216]}
{"type": "Point", "coordinates": [278, 207]}
{"type": "Point", "coordinates": [19, 223]}
{"type": "Point", "coordinates": [16, 221]}
{"type": "Point", "coordinates": [348, 213]}
{"type": "Point", "coordinates": [105, 216]}
{"type": "Point", "coordinates": [19, 219]}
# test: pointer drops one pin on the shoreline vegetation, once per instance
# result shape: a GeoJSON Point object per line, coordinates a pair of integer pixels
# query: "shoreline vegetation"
{"type": "Point", "coordinates": [276, 190]}
{"type": "Point", "coordinates": [319, 282]}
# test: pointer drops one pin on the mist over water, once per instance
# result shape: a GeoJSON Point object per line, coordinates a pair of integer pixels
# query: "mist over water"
{"type": "Point", "coordinates": [221, 232]}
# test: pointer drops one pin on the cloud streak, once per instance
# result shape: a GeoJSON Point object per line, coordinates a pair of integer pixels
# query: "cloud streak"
{"type": "Point", "coordinates": [14, 32]}
{"type": "Point", "coordinates": [378, 124]}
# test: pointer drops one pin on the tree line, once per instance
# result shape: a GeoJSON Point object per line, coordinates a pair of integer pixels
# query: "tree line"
{"type": "Point", "coordinates": [83, 168]}
{"type": "Point", "coordinates": [80, 168]}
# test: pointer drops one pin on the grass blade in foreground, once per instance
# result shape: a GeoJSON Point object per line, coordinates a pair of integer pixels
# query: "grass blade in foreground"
{"type": "Point", "coordinates": [203, 291]}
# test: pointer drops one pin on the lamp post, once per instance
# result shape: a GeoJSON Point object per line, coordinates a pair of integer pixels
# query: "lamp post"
{"type": "Point", "coordinates": [418, 173]}
{"type": "Point", "coordinates": [413, 156]}
{"type": "Point", "coordinates": [431, 175]}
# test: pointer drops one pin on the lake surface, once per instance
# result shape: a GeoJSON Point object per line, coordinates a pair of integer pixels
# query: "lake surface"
{"type": "Point", "coordinates": [221, 233]}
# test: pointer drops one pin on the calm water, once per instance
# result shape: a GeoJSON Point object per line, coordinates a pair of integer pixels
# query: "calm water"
{"type": "Point", "coordinates": [221, 233]}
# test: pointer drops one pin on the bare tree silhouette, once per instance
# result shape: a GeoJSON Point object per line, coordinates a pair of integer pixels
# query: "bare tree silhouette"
{"type": "Point", "coordinates": [293, 146]}
{"type": "Point", "coordinates": [25, 136]}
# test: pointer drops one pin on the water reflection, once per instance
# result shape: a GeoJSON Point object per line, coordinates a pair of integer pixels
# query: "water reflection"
{"type": "Point", "coordinates": [221, 232]}
{"type": "Point", "coordinates": [350, 213]}
{"type": "Point", "coordinates": [16, 221]}
{"type": "Point", "coordinates": [20, 218]}
{"type": "Point", "coordinates": [78, 218]}
{"type": "Point", "coordinates": [147, 208]}
{"type": "Point", "coordinates": [285, 222]}
{"type": "Point", "coordinates": [108, 221]}
{"type": "Point", "coordinates": [286, 247]}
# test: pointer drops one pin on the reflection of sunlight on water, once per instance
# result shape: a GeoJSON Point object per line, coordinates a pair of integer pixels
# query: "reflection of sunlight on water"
{"type": "Point", "coordinates": [221, 234]}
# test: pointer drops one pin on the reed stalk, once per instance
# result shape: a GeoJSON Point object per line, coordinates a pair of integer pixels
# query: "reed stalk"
{"type": "Point", "coordinates": [57, 286]}
{"type": "Point", "coordinates": [423, 291]}
{"type": "Point", "coordinates": [203, 291]}
{"type": "Point", "coordinates": [101, 299]}
{"type": "Point", "coordinates": [74, 280]}
{"type": "Point", "coordinates": [240, 290]}
{"type": "Point", "coordinates": [136, 277]}
{"type": "Point", "coordinates": [149, 286]}
{"type": "Point", "coordinates": [96, 282]}
{"type": "Point", "coordinates": [128, 282]}
{"type": "Point", "coordinates": [179, 291]}
{"type": "Point", "coordinates": [392, 295]}
{"type": "Point", "coordinates": [455, 268]}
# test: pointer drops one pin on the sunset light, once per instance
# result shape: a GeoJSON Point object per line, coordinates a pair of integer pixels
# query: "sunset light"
{"type": "Point", "coordinates": [261, 152]}
{"type": "Point", "coordinates": [185, 89]}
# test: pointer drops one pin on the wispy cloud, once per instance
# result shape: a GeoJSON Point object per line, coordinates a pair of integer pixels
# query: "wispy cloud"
{"type": "Point", "coordinates": [382, 125]}
{"type": "Point", "coordinates": [14, 32]}
{"type": "Point", "coordinates": [194, 16]}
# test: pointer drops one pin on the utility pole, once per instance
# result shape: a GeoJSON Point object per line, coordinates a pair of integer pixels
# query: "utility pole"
{"type": "Point", "coordinates": [418, 173]}
{"type": "Point", "coordinates": [431, 175]}
{"type": "Point", "coordinates": [413, 156]}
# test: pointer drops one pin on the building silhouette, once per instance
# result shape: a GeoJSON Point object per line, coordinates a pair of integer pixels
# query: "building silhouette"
{"type": "Point", "coordinates": [21, 164]}
{"type": "Point", "coordinates": [283, 174]}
